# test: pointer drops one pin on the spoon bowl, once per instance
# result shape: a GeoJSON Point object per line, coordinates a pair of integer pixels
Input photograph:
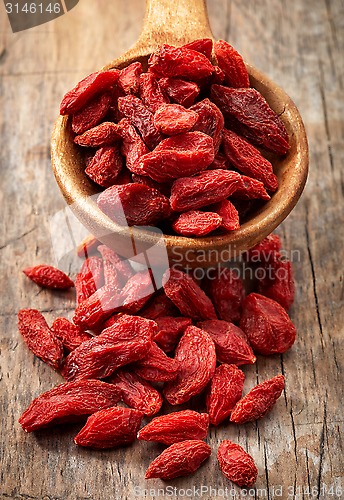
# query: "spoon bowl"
{"type": "Point", "coordinates": [176, 23]}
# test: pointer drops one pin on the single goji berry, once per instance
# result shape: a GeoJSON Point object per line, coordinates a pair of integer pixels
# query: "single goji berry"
{"type": "Point", "coordinates": [70, 335]}
{"type": "Point", "coordinates": [259, 401]}
{"type": "Point", "coordinates": [178, 156]}
{"type": "Point", "coordinates": [39, 338]}
{"type": "Point", "coordinates": [231, 344]}
{"type": "Point", "coordinates": [203, 45]}
{"type": "Point", "coordinates": [179, 459]}
{"type": "Point", "coordinates": [93, 311]}
{"type": "Point", "coordinates": [228, 213]}
{"type": "Point", "coordinates": [267, 325]}
{"type": "Point", "coordinates": [136, 392]}
{"type": "Point", "coordinates": [48, 277]}
{"type": "Point", "coordinates": [105, 166]}
{"type": "Point", "coordinates": [210, 121]}
{"type": "Point", "coordinates": [128, 340]}
{"type": "Point", "coordinates": [196, 223]}
{"type": "Point", "coordinates": [236, 464]}
{"type": "Point", "coordinates": [170, 329]}
{"type": "Point", "coordinates": [190, 193]}
{"type": "Point", "coordinates": [156, 366]}
{"type": "Point", "coordinates": [280, 285]}
{"type": "Point", "coordinates": [129, 78]}
{"type": "Point", "coordinates": [172, 119]}
{"type": "Point", "coordinates": [224, 392]}
{"type": "Point", "coordinates": [110, 428]}
{"type": "Point", "coordinates": [226, 289]}
{"type": "Point", "coordinates": [68, 401]}
{"type": "Point", "coordinates": [92, 114]}
{"type": "Point", "coordinates": [84, 91]}
{"type": "Point", "coordinates": [180, 91]}
{"type": "Point", "coordinates": [151, 93]}
{"type": "Point", "coordinates": [105, 134]}
{"type": "Point", "coordinates": [250, 189]}
{"type": "Point", "coordinates": [89, 278]}
{"type": "Point", "coordinates": [196, 355]}
{"type": "Point", "coordinates": [187, 295]}
{"type": "Point", "coordinates": [176, 427]}
{"type": "Point", "coordinates": [232, 64]}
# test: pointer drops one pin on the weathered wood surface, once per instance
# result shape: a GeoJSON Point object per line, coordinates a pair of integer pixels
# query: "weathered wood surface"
{"type": "Point", "coordinates": [298, 448]}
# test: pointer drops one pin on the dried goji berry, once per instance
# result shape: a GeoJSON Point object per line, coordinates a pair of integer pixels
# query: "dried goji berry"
{"type": "Point", "coordinates": [151, 93]}
{"type": "Point", "coordinates": [134, 204]}
{"type": "Point", "coordinates": [280, 286]}
{"type": "Point", "coordinates": [247, 159]}
{"type": "Point", "coordinates": [136, 392]}
{"type": "Point", "coordinates": [39, 338]}
{"type": "Point", "coordinates": [259, 401]}
{"type": "Point", "coordinates": [187, 295]}
{"type": "Point", "coordinates": [181, 62]}
{"type": "Point", "coordinates": [250, 189]}
{"type": "Point", "coordinates": [84, 91]}
{"type": "Point", "coordinates": [180, 91]}
{"type": "Point", "coordinates": [89, 278]}
{"type": "Point", "coordinates": [67, 402]}
{"type": "Point", "coordinates": [267, 325]}
{"type": "Point", "coordinates": [190, 193]}
{"type": "Point", "coordinates": [179, 459]}
{"type": "Point", "coordinates": [231, 344]}
{"type": "Point", "coordinates": [232, 64]}
{"type": "Point", "coordinates": [196, 355]}
{"type": "Point", "coordinates": [172, 119]}
{"type": "Point", "coordinates": [159, 305]}
{"type": "Point", "coordinates": [129, 78]}
{"type": "Point", "coordinates": [93, 311]}
{"type": "Point", "coordinates": [105, 166]}
{"type": "Point", "coordinates": [110, 428]}
{"type": "Point", "coordinates": [170, 329]}
{"type": "Point", "coordinates": [266, 250]}
{"type": "Point", "coordinates": [252, 111]}
{"type": "Point", "coordinates": [105, 134]}
{"type": "Point", "coordinates": [70, 335]}
{"type": "Point", "coordinates": [139, 115]}
{"type": "Point", "coordinates": [156, 366]}
{"type": "Point", "coordinates": [203, 45]}
{"type": "Point", "coordinates": [48, 277]}
{"type": "Point", "coordinates": [224, 392]}
{"type": "Point", "coordinates": [178, 156]}
{"type": "Point", "coordinates": [228, 213]}
{"type": "Point", "coordinates": [196, 223]}
{"type": "Point", "coordinates": [236, 464]}
{"type": "Point", "coordinates": [128, 340]}
{"type": "Point", "coordinates": [92, 114]}
{"type": "Point", "coordinates": [176, 427]}
{"type": "Point", "coordinates": [226, 289]}
{"type": "Point", "coordinates": [210, 121]}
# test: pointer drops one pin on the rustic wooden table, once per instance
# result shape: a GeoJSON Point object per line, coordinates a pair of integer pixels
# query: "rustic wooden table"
{"type": "Point", "coordinates": [298, 448]}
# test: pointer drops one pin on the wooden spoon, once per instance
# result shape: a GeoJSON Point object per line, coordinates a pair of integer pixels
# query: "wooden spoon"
{"type": "Point", "coordinates": [177, 22]}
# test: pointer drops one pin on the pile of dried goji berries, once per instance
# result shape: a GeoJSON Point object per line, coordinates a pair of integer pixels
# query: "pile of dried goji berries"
{"type": "Point", "coordinates": [132, 345]}
{"type": "Point", "coordinates": [175, 146]}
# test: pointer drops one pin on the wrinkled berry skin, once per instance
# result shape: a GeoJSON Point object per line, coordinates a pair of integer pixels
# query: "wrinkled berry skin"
{"type": "Point", "coordinates": [237, 465]}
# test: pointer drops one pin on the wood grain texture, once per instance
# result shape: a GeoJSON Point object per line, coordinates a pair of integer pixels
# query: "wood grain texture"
{"type": "Point", "coordinates": [299, 445]}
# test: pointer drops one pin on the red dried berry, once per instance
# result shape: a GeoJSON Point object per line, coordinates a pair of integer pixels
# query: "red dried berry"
{"type": "Point", "coordinates": [110, 428]}
{"type": "Point", "coordinates": [133, 147]}
{"type": "Point", "coordinates": [176, 427]}
{"type": "Point", "coordinates": [210, 121]}
{"type": "Point", "coordinates": [251, 110]}
{"type": "Point", "coordinates": [89, 278]}
{"type": "Point", "coordinates": [190, 193]}
{"type": "Point", "coordinates": [180, 459]}
{"type": "Point", "coordinates": [156, 366]}
{"type": "Point", "coordinates": [170, 329]}
{"type": "Point", "coordinates": [68, 401]}
{"type": "Point", "coordinates": [92, 114]}
{"type": "Point", "coordinates": [236, 464]}
{"type": "Point", "coordinates": [134, 204]}
{"type": "Point", "coordinates": [93, 311]}
{"type": "Point", "coordinates": [196, 223]}
{"type": "Point", "coordinates": [196, 355]}
{"type": "Point", "coordinates": [128, 340]}
{"type": "Point", "coordinates": [226, 289]}
{"type": "Point", "coordinates": [180, 91]}
{"type": "Point", "coordinates": [224, 392]}
{"type": "Point", "coordinates": [187, 295]}
{"type": "Point", "coordinates": [203, 45]}
{"type": "Point", "coordinates": [259, 401]}
{"type": "Point", "coordinates": [250, 189]}
{"type": "Point", "coordinates": [247, 159]}
{"type": "Point", "coordinates": [70, 335]}
{"type": "Point", "coordinates": [136, 392]}
{"type": "Point", "coordinates": [151, 93]}
{"type": "Point", "coordinates": [231, 344]}
{"type": "Point", "coordinates": [172, 119]}
{"type": "Point", "coordinates": [178, 156]}
{"type": "Point", "coordinates": [129, 78]}
{"type": "Point", "coordinates": [105, 134]}
{"type": "Point", "coordinates": [232, 64]}
{"type": "Point", "coordinates": [180, 62]}
{"type": "Point", "coordinates": [228, 213]}
{"type": "Point", "coordinates": [39, 338]}
{"type": "Point", "coordinates": [105, 166]}
{"type": "Point", "coordinates": [267, 325]}
{"type": "Point", "coordinates": [48, 277]}
{"type": "Point", "coordinates": [139, 115]}
{"type": "Point", "coordinates": [84, 91]}
{"type": "Point", "coordinates": [280, 286]}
